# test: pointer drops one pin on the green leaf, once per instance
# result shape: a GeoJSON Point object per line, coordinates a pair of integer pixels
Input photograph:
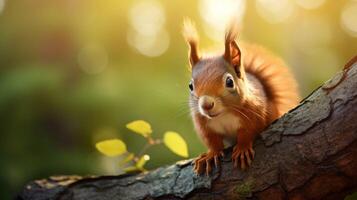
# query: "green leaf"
{"type": "Point", "coordinates": [113, 147]}
{"type": "Point", "coordinates": [142, 161]}
{"type": "Point", "coordinates": [141, 127]}
{"type": "Point", "coordinates": [176, 143]}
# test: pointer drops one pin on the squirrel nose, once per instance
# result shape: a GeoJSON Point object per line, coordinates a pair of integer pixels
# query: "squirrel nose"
{"type": "Point", "coordinates": [206, 103]}
{"type": "Point", "coordinates": [208, 106]}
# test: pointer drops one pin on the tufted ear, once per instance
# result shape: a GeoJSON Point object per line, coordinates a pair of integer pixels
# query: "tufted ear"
{"type": "Point", "coordinates": [232, 53]}
{"type": "Point", "coordinates": [191, 36]}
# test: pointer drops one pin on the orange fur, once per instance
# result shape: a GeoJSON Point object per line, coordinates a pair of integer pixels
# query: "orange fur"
{"type": "Point", "coordinates": [191, 36]}
{"type": "Point", "coordinates": [279, 84]}
{"type": "Point", "coordinates": [263, 90]}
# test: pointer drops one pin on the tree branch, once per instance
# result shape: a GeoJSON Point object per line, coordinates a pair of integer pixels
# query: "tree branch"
{"type": "Point", "coordinates": [309, 153]}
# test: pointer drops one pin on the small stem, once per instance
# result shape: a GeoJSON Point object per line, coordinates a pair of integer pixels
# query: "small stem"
{"type": "Point", "coordinates": [158, 141]}
{"type": "Point", "coordinates": [136, 159]}
{"type": "Point", "coordinates": [141, 153]}
{"type": "Point", "coordinates": [151, 142]}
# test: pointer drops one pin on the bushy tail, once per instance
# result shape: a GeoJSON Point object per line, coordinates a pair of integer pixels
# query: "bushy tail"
{"type": "Point", "coordinates": [279, 84]}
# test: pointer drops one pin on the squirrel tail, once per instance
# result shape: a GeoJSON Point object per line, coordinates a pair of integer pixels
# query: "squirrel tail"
{"type": "Point", "coordinates": [279, 84]}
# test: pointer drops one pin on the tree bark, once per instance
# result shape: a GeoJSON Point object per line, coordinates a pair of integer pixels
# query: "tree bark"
{"type": "Point", "coordinates": [309, 153]}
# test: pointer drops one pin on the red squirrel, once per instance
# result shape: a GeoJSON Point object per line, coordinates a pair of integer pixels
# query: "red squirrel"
{"type": "Point", "coordinates": [234, 96]}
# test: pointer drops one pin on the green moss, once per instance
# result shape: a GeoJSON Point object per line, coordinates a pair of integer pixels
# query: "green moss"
{"type": "Point", "coordinates": [352, 196]}
{"type": "Point", "coordinates": [244, 190]}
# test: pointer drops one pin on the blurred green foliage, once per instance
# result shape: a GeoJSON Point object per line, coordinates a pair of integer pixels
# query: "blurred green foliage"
{"type": "Point", "coordinates": [73, 73]}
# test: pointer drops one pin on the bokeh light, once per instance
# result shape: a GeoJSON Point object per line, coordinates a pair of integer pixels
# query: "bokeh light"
{"type": "Point", "coordinates": [349, 19]}
{"type": "Point", "coordinates": [310, 4]}
{"type": "Point", "coordinates": [148, 35]}
{"type": "Point", "coordinates": [75, 72]}
{"type": "Point", "coordinates": [275, 11]}
{"type": "Point", "coordinates": [218, 13]}
{"type": "Point", "coordinates": [147, 17]}
{"type": "Point", "coordinates": [93, 59]}
{"type": "Point", "coordinates": [149, 45]}
{"type": "Point", "coordinates": [2, 5]}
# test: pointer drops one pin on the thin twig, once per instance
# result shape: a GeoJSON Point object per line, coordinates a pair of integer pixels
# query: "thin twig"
{"type": "Point", "coordinates": [151, 142]}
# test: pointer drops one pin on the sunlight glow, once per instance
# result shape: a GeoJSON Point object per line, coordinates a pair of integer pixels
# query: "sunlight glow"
{"type": "Point", "coordinates": [218, 13]}
{"type": "Point", "coordinates": [2, 5]}
{"type": "Point", "coordinates": [147, 17]}
{"type": "Point", "coordinates": [310, 4]}
{"type": "Point", "coordinates": [313, 32]}
{"type": "Point", "coordinates": [149, 45]}
{"type": "Point", "coordinates": [275, 11]}
{"type": "Point", "coordinates": [348, 19]}
{"type": "Point", "coordinates": [148, 35]}
{"type": "Point", "coordinates": [93, 59]}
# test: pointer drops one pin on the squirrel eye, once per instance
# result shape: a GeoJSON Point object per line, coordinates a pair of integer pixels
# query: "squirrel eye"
{"type": "Point", "coordinates": [190, 86]}
{"type": "Point", "coordinates": [229, 82]}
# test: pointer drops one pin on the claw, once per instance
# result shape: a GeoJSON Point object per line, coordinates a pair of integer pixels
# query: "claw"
{"type": "Point", "coordinates": [204, 161]}
{"type": "Point", "coordinates": [198, 164]}
{"type": "Point", "coordinates": [208, 167]}
{"type": "Point", "coordinates": [249, 161]}
{"type": "Point", "coordinates": [242, 161]}
{"type": "Point", "coordinates": [222, 154]}
{"type": "Point", "coordinates": [251, 150]}
{"type": "Point", "coordinates": [244, 157]}
{"type": "Point", "coordinates": [216, 161]}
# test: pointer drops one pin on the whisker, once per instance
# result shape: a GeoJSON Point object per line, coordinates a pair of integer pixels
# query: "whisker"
{"type": "Point", "coordinates": [262, 116]}
{"type": "Point", "coordinates": [242, 114]}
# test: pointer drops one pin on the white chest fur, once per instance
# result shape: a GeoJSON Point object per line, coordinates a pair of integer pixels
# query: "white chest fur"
{"type": "Point", "coordinates": [225, 124]}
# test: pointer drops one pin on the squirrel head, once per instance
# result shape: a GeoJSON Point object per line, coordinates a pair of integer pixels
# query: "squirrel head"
{"type": "Point", "coordinates": [218, 82]}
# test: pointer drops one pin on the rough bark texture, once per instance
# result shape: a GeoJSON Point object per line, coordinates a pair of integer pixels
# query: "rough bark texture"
{"type": "Point", "coordinates": [309, 153]}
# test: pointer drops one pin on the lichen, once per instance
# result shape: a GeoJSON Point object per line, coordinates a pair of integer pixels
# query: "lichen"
{"type": "Point", "coordinates": [244, 190]}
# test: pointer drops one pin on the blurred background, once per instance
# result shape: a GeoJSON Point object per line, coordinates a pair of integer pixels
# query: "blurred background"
{"type": "Point", "coordinates": [74, 72]}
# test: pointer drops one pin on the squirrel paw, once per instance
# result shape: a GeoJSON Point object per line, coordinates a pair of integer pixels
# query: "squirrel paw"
{"type": "Point", "coordinates": [204, 161]}
{"type": "Point", "coordinates": [244, 156]}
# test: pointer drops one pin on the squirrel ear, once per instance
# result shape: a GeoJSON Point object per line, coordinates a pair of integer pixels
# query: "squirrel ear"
{"type": "Point", "coordinates": [191, 36]}
{"type": "Point", "coordinates": [235, 54]}
{"type": "Point", "coordinates": [232, 53]}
